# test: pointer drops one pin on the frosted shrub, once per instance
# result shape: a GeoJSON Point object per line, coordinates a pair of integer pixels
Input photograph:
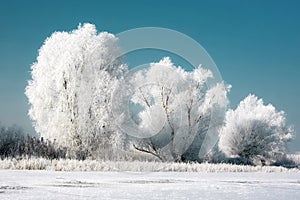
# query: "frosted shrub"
{"type": "Point", "coordinates": [255, 132]}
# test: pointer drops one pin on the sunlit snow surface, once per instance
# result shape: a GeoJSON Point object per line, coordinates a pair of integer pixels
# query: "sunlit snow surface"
{"type": "Point", "coordinates": [157, 185]}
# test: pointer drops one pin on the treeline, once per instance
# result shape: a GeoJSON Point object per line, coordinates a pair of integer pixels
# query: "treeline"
{"type": "Point", "coordinates": [14, 142]}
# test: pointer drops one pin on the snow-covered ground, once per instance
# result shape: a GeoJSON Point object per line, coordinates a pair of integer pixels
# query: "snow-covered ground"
{"type": "Point", "coordinates": [25, 184]}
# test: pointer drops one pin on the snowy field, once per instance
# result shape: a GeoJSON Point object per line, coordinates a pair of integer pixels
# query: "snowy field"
{"type": "Point", "coordinates": [25, 184]}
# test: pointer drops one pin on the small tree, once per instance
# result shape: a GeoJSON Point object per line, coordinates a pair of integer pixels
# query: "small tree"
{"type": "Point", "coordinates": [70, 90]}
{"type": "Point", "coordinates": [255, 132]}
{"type": "Point", "coordinates": [175, 109]}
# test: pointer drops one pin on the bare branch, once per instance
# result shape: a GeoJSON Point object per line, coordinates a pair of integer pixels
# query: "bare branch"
{"type": "Point", "coordinates": [146, 101]}
{"type": "Point", "coordinates": [147, 151]}
{"type": "Point", "coordinates": [166, 107]}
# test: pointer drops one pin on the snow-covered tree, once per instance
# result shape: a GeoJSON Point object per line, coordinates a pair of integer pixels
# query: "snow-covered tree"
{"type": "Point", "coordinates": [175, 109]}
{"type": "Point", "coordinates": [255, 132]}
{"type": "Point", "coordinates": [70, 90]}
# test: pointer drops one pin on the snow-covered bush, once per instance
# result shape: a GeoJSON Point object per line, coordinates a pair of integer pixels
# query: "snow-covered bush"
{"type": "Point", "coordinates": [70, 91]}
{"type": "Point", "coordinates": [295, 158]}
{"type": "Point", "coordinates": [290, 160]}
{"type": "Point", "coordinates": [255, 132]}
{"type": "Point", "coordinates": [176, 109]}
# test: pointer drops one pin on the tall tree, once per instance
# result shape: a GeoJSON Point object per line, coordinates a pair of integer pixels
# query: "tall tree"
{"type": "Point", "coordinates": [175, 109]}
{"type": "Point", "coordinates": [69, 93]}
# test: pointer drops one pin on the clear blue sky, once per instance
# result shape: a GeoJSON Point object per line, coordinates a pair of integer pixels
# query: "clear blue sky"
{"type": "Point", "coordinates": [255, 44]}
